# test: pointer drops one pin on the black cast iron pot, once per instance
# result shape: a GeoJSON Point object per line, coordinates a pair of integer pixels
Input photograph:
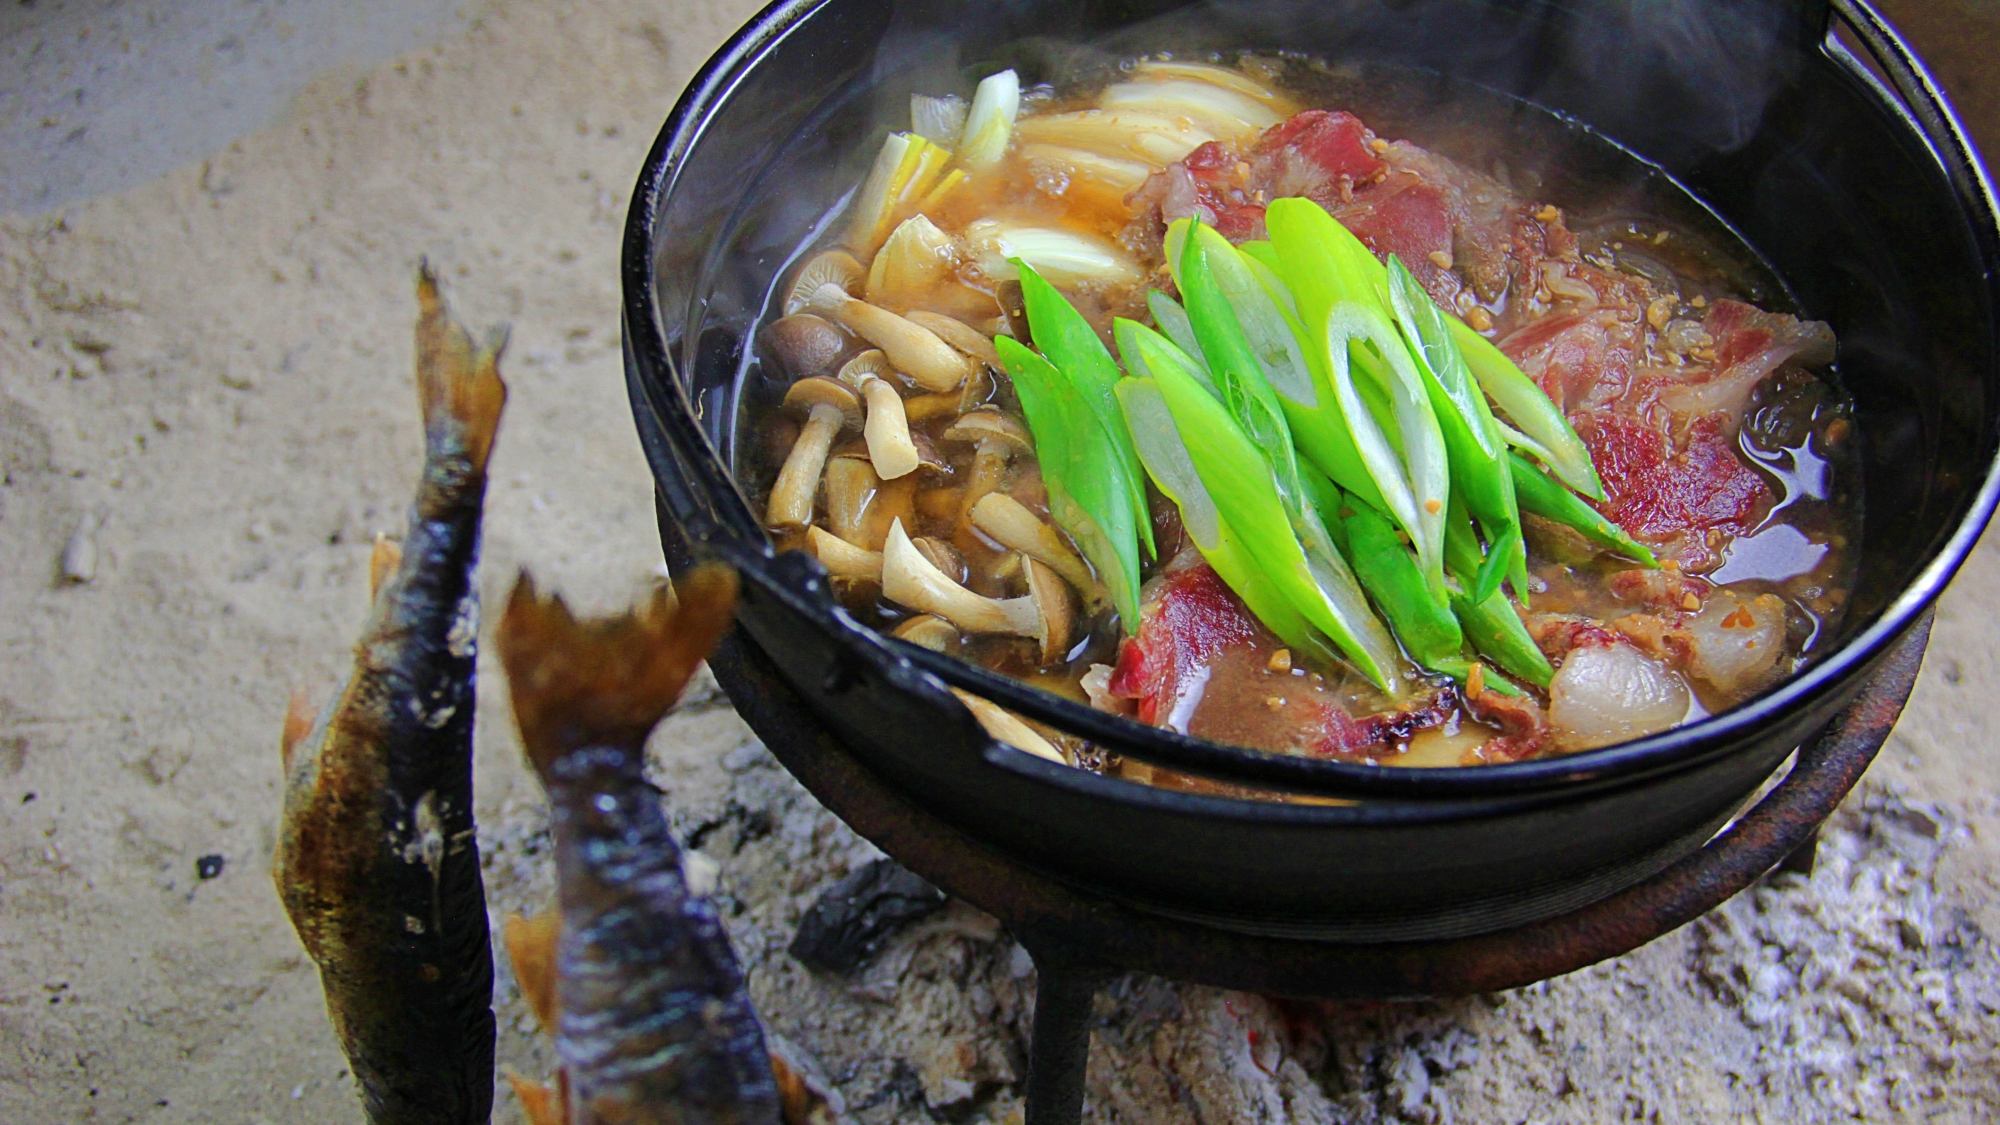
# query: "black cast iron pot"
{"type": "Point", "coordinates": [1853, 181]}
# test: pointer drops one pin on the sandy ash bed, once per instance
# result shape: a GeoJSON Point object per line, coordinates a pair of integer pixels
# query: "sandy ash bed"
{"type": "Point", "coordinates": [212, 371]}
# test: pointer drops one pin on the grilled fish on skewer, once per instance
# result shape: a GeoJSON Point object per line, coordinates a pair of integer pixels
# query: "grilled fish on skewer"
{"type": "Point", "coordinates": [376, 861]}
{"type": "Point", "coordinates": [653, 1020]}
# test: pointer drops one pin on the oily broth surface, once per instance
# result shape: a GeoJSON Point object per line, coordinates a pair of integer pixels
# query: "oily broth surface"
{"type": "Point", "coordinates": [1797, 432]}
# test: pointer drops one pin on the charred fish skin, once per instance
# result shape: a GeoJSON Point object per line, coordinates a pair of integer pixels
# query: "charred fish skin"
{"type": "Point", "coordinates": [654, 1022]}
{"type": "Point", "coordinates": [377, 863]}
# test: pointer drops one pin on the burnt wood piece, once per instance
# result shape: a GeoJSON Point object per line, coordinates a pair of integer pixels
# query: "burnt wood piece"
{"type": "Point", "coordinates": [846, 925]}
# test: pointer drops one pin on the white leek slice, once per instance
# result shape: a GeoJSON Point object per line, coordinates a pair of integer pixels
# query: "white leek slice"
{"type": "Point", "coordinates": [1063, 257]}
{"type": "Point", "coordinates": [1214, 76]}
{"type": "Point", "coordinates": [1120, 175]}
{"type": "Point", "coordinates": [1157, 139]}
{"type": "Point", "coordinates": [916, 258]}
{"type": "Point", "coordinates": [989, 123]}
{"type": "Point", "coordinates": [1230, 116]}
{"type": "Point", "coordinates": [940, 121]}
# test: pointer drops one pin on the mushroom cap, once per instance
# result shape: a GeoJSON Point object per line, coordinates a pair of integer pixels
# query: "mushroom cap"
{"type": "Point", "coordinates": [805, 394]}
{"type": "Point", "coordinates": [834, 267]}
{"type": "Point", "coordinates": [947, 558]}
{"type": "Point", "coordinates": [981, 425]}
{"type": "Point", "coordinates": [871, 364]}
{"type": "Point", "coordinates": [929, 460]}
{"type": "Point", "coordinates": [930, 631]}
{"type": "Point", "coordinates": [807, 345]}
{"type": "Point", "coordinates": [1053, 605]}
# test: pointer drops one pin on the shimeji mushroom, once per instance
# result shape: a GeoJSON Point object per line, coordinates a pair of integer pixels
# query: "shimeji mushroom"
{"type": "Point", "coordinates": [913, 349]}
{"type": "Point", "coordinates": [930, 631]}
{"type": "Point", "coordinates": [841, 558]}
{"type": "Point", "coordinates": [999, 439]}
{"type": "Point", "coordinates": [1045, 614]}
{"type": "Point", "coordinates": [971, 395]}
{"type": "Point", "coordinates": [807, 345]}
{"type": "Point", "coordinates": [958, 334]}
{"type": "Point", "coordinates": [1005, 726]}
{"type": "Point", "coordinates": [887, 430]}
{"type": "Point", "coordinates": [835, 267]}
{"type": "Point", "coordinates": [942, 555]}
{"type": "Point", "coordinates": [851, 488]}
{"type": "Point", "coordinates": [828, 408]}
{"type": "Point", "coordinates": [1009, 523]}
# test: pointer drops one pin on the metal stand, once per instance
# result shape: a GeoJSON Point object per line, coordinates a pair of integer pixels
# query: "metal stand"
{"type": "Point", "coordinates": [1078, 939]}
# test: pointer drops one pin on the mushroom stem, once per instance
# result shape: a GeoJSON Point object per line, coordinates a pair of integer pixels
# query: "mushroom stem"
{"type": "Point", "coordinates": [923, 408]}
{"type": "Point", "coordinates": [1009, 523]}
{"type": "Point", "coordinates": [989, 469]}
{"type": "Point", "coordinates": [887, 431]}
{"type": "Point", "coordinates": [958, 334]}
{"type": "Point", "coordinates": [841, 558]}
{"type": "Point", "coordinates": [909, 580]}
{"type": "Point", "coordinates": [914, 350]}
{"type": "Point", "coordinates": [792, 495]}
{"type": "Point", "coordinates": [851, 489]}
{"type": "Point", "coordinates": [1007, 727]}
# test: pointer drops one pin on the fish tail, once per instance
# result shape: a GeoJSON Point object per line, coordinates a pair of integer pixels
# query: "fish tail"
{"type": "Point", "coordinates": [458, 383]}
{"type": "Point", "coordinates": [298, 724]}
{"type": "Point", "coordinates": [542, 1103]}
{"type": "Point", "coordinates": [606, 683]}
{"type": "Point", "coordinates": [531, 949]}
{"type": "Point", "coordinates": [383, 561]}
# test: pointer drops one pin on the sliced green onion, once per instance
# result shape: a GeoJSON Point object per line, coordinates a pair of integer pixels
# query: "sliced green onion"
{"type": "Point", "coordinates": [1541, 495]}
{"type": "Point", "coordinates": [1429, 632]}
{"type": "Point", "coordinates": [1126, 332]}
{"type": "Point", "coordinates": [1496, 631]}
{"type": "Point", "coordinates": [1089, 496]}
{"type": "Point", "coordinates": [1166, 460]}
{"type": "Point", "coordinates": [1500, 554]}
{"type": "Point", "coordinates": [1490, 623]}
{"type": "Point", "coordinates": [1477, 451]}
{"type": "Point", "coordinates": [1234, 472]}
{"type": "Point", "coordinates": [1273, 333]}
{"type": "Point", "coordinates": [1415, 485]}
{"type": "Point", "coordinates": [1073, 346]}
{"type": "Point", "coordinates": [1173, 321]}
{"type": "Point", "coordinates": [1529, 409]}
{"type": "Point", "coordinates": [989, 123]}
{"type": "Point", "coordinates": [1240, 377]}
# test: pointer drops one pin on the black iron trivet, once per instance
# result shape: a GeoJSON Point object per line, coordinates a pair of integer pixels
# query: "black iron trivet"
{"type": "Point", "coordinates": [1078, 938]}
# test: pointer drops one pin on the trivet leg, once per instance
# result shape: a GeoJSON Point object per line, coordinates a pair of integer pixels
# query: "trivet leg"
{"type": "Point", "coordinates": [1060, 1054]}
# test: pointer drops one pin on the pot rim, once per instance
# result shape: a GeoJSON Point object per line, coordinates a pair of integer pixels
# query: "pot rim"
{"type": "Point", "coordinates": [1915, 98]}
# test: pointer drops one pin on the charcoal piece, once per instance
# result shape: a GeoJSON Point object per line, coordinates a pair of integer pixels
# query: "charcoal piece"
{"type": "Point", "coordinates": [208, 866]}
{"type": "Point", "coordinates": [855, 916]}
